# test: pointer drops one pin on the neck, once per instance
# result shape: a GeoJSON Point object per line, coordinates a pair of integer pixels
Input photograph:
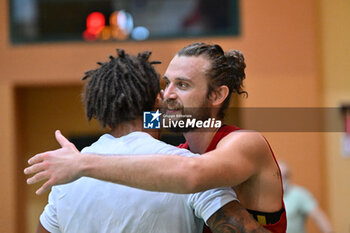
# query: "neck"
{"type": "Point", "coordinates": [132, 126]}
{"type": "Point", "coordinates": [199, 140]}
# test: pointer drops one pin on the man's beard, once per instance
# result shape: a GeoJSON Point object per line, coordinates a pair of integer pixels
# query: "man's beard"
{"type": "Point", "coordinates": [175, 111]}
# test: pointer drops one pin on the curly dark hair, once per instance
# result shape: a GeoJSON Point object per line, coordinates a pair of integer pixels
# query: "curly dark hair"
{"type": "Point", "coordinates": [226, 69]}
{"type": "Point", "coordinates": [121, 89]}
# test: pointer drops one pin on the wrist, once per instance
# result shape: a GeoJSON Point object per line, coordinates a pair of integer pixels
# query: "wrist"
{"type": "Point", "coordinates": [83, 164]}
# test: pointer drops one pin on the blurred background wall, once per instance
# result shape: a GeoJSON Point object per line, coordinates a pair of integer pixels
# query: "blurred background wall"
{"type": "Point", "coordinates": [297, 55]}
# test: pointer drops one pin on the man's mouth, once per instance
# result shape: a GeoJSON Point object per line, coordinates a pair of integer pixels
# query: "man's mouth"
{"type": "Point", "coordinates": [172, 107]}
{"type": "Point", "coordinates": [172, 110]}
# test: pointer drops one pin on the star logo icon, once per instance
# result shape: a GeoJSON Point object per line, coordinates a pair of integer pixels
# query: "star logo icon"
{"type": "Point", "coordinates": [155, 115]}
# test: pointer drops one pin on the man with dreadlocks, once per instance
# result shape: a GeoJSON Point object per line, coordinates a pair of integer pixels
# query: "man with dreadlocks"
{"type": "Point", "coordinates": [117, 94]}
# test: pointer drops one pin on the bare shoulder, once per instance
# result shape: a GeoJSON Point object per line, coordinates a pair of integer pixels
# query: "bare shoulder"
{"type": "Point", "coordinates": [250, 136]}
{"type": "Point", "coordinates": [247, 142]}
{"type": "Point", "coordinates": [244, 155]}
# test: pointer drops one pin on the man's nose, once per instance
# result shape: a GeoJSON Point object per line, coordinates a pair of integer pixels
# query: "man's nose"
{"type": "Point", "coordinates": [169, 92]}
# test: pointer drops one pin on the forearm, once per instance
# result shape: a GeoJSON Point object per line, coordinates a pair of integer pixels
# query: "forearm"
{"type": "Point", "coordinates": [165, 173]}
{"type": "Point", "coordinates": [321, 220]}
{"type": "Point", "coordinates": [154, 173]}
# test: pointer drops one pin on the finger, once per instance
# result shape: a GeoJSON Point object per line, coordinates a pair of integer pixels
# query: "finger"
{"type": "Point", "coordinates": [43, 188]}
{"type": "Point", "coordinates": [61, 139]}
{"type": "Point", "coordinates": [37, 158]}
{"type": "Point", "coordinates": [38, 167]}
{"type": "Point", "coordinates": [37, 178]}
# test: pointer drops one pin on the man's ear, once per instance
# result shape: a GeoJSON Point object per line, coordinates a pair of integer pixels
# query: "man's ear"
{"type": "Point", "coordinates": [219, 95]}
{"type": "Point", "coordinates": [159, 101]}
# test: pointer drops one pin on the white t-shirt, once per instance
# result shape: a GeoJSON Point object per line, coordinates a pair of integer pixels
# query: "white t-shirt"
{"type": "Point", "coordinates": [91, 205]}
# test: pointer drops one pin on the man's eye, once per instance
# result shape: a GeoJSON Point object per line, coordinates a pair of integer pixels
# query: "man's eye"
{"type": "Point", "coordinates": [182, 85]}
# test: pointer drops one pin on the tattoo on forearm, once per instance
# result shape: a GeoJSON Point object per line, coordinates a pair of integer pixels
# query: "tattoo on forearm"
{"type": "Point", "coordinates": [234, 218]}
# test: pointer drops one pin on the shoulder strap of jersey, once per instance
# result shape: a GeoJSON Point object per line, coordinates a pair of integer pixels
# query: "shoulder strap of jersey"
{"type": "Point", "coordinates": [222, 132]}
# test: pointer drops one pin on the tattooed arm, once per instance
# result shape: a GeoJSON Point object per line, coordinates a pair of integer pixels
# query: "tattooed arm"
{"type": "Point", "coordinates": [233, 218]}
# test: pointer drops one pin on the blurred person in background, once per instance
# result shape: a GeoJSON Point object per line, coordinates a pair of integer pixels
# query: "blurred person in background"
{"type": "Point", "coordinates": [301, 204]}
